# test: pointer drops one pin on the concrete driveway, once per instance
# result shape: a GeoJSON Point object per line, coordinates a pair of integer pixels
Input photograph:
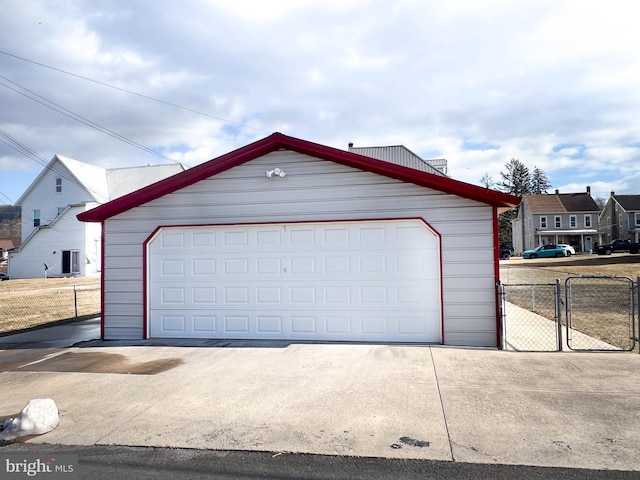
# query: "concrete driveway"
{"type": "Point", "coordinates": [426, 402]}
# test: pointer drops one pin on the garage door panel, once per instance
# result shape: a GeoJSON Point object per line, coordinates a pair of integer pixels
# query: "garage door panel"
{"type": "Point", "coordinates": [373, 280]}
{"type": "Point", "coordinates": [380, 296]}
{"type": "Point", "coordinates": [292, 326]}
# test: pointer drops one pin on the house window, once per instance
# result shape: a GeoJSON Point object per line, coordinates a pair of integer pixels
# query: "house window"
{"type": "Point", "coordinates": [543, 222]}
{"type": "Point", "coordinates": [557, 220]}
{"type": "Point", "coordinates": [71, 261]}
{"type": "Point", "coordinates": [587, 221]}
{"type": "Point", "coordinates": [58, 185]}
{"type": "Point", "coordinates": [637, 219]}
{"type": "Point", "coordinates": [36, 218]}
{"type": "Point", "coordinates": [573, 221]}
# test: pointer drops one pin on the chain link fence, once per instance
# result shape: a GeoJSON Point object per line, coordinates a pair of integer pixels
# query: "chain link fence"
{"type": "Point", "coordinates": [28, 306]}
{"type": "Point", "coordinates": [530, 317]}
{"type": "Point", "coordinates": [600, 313]}
{"type": "Point", "coordinates": [588, 313]}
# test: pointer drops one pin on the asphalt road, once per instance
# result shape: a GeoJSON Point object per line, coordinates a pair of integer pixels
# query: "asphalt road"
{"type": "Point", "coordinates": [109, 462]}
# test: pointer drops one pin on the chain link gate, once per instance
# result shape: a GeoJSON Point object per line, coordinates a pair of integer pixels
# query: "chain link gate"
{"type": "Point", "coordinates": [531, 317]}
{"type": "Point", "coordinates": [601, 313]}
{"type": "Point", "coordinates": [591, 313]}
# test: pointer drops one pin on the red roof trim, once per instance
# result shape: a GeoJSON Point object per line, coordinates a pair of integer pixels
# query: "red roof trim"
{"type": "Point", "coordinates": [278, 141]}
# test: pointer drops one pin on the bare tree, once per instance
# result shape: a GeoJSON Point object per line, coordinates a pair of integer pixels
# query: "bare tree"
{"type": "Point", "coordinates": [487, 181]}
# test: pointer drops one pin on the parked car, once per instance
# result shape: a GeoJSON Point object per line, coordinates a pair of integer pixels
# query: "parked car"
{"type": "Point", "coordinates": [618, 245]}
{"type": "Point", "coordinates": [569, 249]}
{"type": "Point", "coordinates": [544, 251]}
{"type": "Point", "coordinates": [505, 252]}
{"type": "Point", "coordinates": [3, 276]}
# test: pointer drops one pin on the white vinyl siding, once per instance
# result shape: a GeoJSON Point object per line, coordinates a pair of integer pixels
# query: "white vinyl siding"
{"type": "Point", "coordinates": [66, 233]}
{"type": "Point", "coordinates": [44, 198]}
{"type": "Point", "coordinates": [313, 190]}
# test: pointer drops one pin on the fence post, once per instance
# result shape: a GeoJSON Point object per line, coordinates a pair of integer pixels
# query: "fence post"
{"type": "Point", "coordinates": [636, 311]}
{"type": "Point", "coordinates": [75, 301]}
{"type": "Point", "coordinates": [501, 313]}
{"type": "Point", "coordinates": [559, 313]}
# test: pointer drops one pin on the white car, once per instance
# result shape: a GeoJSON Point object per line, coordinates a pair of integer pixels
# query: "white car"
{"type": "Point", "coordinates": [569, 249]}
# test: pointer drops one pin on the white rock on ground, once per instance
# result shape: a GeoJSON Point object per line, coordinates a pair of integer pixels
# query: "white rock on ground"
{"type": "Point", "coordinates": [38, 417]}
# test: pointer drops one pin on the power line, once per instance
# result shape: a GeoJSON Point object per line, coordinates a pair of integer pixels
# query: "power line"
{"type": "Point", "coordinates": [10, 201]}
{"type": "Point", "coordinates": [147, 97]}
{"type": "Point", "coordinates": [17, 145]}
{"type": "Point", "coordinates": [79, 118]}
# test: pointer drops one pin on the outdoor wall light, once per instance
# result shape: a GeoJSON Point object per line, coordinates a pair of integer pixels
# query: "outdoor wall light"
{"type": "Point", "coordinates": [276, 171]}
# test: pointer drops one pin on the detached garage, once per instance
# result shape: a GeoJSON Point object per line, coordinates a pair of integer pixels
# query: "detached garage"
{"type": "Point", "coordinates": [287, 239]}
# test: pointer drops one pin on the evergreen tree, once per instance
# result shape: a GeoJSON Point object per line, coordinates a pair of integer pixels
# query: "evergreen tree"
{"type": "Point", "coordinates": [539, 181]}
{"type": "Point", "coordinates": [517, 179]}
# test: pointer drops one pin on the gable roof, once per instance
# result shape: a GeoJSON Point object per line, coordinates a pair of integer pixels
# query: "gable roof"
{"type": "Point", "coordinates": [401, 155]}
{"type": "Point", "coordinates": [629, 202]}
{"type": "Point", "coordinates": [9, 243]}
{"type": "Point", "coordinates": [90, 177]}
{"type": "Point", "coordinates": [121, 181]}
{"type": "Point", "coordinates": [101, 183]}
{"type": "Point", "coordinates": [278, 141]}
{"type": "Point", "coordinates": [560, 203]}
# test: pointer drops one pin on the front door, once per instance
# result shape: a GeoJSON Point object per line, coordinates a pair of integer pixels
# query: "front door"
{"type": "Point", "coordinates": [588, 245]}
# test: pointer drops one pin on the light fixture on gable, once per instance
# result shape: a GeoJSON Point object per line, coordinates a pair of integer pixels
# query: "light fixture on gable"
{"type": "Point", "coordinates": [276, 171]}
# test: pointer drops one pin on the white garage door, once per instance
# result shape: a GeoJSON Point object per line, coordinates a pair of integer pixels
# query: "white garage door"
{"type": "Point", "coordinates": [341, 281]}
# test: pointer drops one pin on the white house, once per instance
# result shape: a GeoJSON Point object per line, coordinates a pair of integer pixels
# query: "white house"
{"type": "Point", "coordinates": [288, 239]}
{"type": "Point", "coordinates": [53, 241]}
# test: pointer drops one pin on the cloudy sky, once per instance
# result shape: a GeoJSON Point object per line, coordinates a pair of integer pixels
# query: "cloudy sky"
{"type": "Point", "coordinates": [555, 84]}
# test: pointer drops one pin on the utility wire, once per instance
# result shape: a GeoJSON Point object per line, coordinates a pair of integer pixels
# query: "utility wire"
{"type": "Point", "coordinates": [10, 201]}
{"type": "Point", "coordinates": [14, 143]}
{"type": "Point", "coordinates": [79, 118]}
{"type": "Point", "coordinates": [147, 97]}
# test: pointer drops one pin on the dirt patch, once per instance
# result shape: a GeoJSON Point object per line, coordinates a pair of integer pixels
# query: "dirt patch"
{"type": "Point", "coordinates": [98, 362]}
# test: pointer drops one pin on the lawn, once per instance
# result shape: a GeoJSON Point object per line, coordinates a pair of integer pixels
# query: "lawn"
{"type": "Point", "coordinates": [598, 307]}
{"type": "Point", "coordinates": [27, 304]}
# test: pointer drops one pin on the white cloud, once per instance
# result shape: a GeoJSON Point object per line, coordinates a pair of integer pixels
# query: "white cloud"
{"type": "Point", "coordinates": [553, 84]}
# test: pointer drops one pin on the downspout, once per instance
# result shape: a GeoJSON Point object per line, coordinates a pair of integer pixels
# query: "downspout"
{"type": "Point", "coordinates": [496, 274]}
{"type": "Point", "coordinates": [102, 280]}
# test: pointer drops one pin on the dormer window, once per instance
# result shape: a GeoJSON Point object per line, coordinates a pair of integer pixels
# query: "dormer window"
{"type": "Point", "coordinates": [58, 185]}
